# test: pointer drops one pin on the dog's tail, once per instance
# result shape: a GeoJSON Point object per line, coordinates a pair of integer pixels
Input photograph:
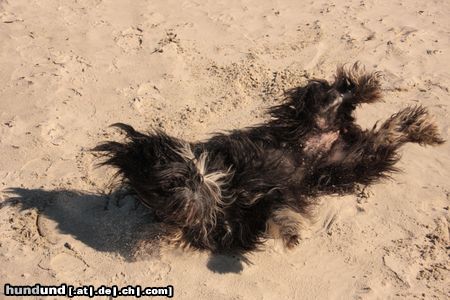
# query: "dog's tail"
{"type": "Point", "coordinates": [181, 186]}
{"type": "Point", "coordinates": [134, 157]}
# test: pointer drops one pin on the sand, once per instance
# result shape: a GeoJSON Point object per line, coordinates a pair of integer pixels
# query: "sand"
{"type": "Point", "coordinates": [71, 68]}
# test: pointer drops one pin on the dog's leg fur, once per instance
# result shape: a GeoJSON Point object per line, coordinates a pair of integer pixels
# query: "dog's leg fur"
{"type": "Point", "coordinates": [357, 86]}
{"type": "Point", "coordinates": [412, 124]}
{"type": "Point", "coordinates": [285, 223]}
{"type": "Point", "coordinates": [374, 154]}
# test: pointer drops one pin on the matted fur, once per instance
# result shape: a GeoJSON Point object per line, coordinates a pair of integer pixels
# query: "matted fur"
{"type": "Point", "coordinates": [225, 193]}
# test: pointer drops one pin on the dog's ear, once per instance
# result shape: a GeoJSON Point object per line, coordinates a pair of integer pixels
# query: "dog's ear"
{"type": "Point", "coordinates": [357, 85]}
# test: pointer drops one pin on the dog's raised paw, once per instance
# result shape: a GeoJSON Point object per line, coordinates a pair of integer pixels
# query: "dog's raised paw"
{"type": "Point", "coordinates": [420, 126]}
{"type": "Point", "coordinates": [358, 85]}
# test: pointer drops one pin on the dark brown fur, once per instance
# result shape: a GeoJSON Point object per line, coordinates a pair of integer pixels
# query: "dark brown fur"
{"type": "Point", "coordinates": [223, 194]}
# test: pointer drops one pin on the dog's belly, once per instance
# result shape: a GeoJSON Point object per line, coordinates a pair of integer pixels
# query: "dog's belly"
{"type": "Point", "coordinates": [320, 143]}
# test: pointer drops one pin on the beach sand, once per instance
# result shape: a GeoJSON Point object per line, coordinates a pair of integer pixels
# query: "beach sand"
{"type": "Point", "coordinates": [71, 68]}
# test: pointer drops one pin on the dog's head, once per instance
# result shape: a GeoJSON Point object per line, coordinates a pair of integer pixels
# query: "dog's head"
{"type": "Point", "coordinates": [313, 97]}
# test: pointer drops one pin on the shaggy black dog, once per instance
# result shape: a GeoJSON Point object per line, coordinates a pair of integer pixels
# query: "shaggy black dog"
{"type": "Point", "coordinates": [226, 193]}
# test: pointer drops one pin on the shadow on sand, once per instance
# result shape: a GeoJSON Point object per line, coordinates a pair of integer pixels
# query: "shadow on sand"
{"type": "Point", "coordinates": [115, 223]}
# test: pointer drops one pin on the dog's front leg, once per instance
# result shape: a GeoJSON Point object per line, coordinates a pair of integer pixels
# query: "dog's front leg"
{"type": "Point", "coordinates": [410, 125]}
{"type": "Point", "coordinates": [357, 85]}
{"type": "Point", "coordinates": [374, 153]}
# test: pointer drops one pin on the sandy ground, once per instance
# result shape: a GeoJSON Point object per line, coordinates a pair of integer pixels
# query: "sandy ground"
{"type": "Point", "coordinates": [71, 68]}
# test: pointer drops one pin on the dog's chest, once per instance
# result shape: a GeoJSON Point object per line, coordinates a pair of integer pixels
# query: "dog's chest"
{"type": "Point", "coordinates": [320, 143]}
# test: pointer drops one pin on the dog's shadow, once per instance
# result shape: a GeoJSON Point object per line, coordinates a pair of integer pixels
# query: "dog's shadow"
{"type": "Point", "coordinates": [227, 263]}
{"type": "Point", "coordinates": [115, 223]}
{"type": "Point", "coordinates": [106, 223]}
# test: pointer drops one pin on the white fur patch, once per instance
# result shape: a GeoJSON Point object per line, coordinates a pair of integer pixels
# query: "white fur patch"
{"type": "Point", "coordinates": [213, 180]}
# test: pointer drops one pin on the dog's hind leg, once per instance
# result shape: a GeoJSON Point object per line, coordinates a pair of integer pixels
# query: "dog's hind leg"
{"type": "Point", "coordinates": [285, 223]}
{"type": "Point", "coordinates": [374, 153]}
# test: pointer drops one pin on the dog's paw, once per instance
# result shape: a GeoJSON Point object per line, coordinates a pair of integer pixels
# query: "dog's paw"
{"type": "Point", "coordinates": [358, 85]}
{"type": "Point", "coordinates": [419, 126]}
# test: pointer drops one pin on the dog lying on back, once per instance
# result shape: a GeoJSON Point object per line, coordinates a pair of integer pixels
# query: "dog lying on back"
{"type": "Point", "coordinates": [224, 194]}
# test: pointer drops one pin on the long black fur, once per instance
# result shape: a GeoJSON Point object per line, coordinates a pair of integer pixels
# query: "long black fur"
{"type": "Point", "coordinates": [227, 192]}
